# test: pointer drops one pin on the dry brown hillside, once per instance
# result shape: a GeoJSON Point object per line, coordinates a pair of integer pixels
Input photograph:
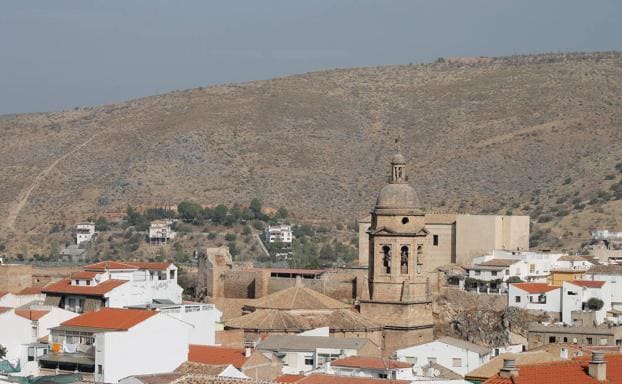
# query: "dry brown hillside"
{"type": "Point", "coordinates": [526, 133]}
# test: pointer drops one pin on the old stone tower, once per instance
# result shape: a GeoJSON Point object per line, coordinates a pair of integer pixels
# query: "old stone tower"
{"type": "Point", "coordinates": [398, 291]}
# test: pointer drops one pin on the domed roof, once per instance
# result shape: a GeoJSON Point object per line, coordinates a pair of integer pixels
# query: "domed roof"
{"type": "Point", "coordinates": [398, 195]}
{"type": "Point", "coordinates": [398, 159]}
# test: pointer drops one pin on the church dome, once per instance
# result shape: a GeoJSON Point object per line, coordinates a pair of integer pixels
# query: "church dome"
{"type": "Point", "coordinates": [398, 159]}
{"type": "Point", "coordinates": [397, 196]}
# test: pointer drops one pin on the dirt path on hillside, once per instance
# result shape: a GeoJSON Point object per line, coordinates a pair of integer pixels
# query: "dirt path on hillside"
{"type": "Point", "coordinates": [22, 199]}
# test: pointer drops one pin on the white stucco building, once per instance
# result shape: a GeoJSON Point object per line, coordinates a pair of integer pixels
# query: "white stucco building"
{"type": "Point", "coordinates": [457, 355]}
{"type": "Point", "coordinates": [279, 233]}
{"type": "Point", "coordinates": [372, 367]}
{"type": "Point", "coordinates": [530, 266]}
{"type": "Point", "coordinates": [20, 330]}
{"type": "Point", "coordinates": [117, 285]}
{"type": "Point", "coordinates": [305, 353]}
{"type": "Point", "coordinates": [535, 297]}
{"type": "Point", "coordinates": [114, 343]}
{"type": "Point", "coordinates": [23, 297]}
{"type": "Point", "coordinates": [202, 318]}
{"type": "Point", "coordinates": [160, 232]}
{"type": "Point", "coordinates": [84, 232]}
{"type": "Point", "coordinates": [612, 274]}
{"type": "Point", "coordinates": [575, 296]}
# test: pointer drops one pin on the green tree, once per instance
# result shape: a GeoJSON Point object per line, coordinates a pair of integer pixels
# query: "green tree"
{"type": "Point", "coordinates": [230, 237]}
{"type": "Point", "coordinates": [246, 230]}
{"type": "Point", "coordinates": [255, 207]}
{"type": "Point", "coordinates": [282, 213]}
{"type": "Point", "coordinates": [219, 214]}
{"type": "Point", "coordinates": [189, 211]}
{"type": "Point", "coordinates": [135, 219]}
{"type": "Point", "coordinates": [102, 225]}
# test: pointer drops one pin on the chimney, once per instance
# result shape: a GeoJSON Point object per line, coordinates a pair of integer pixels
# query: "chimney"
{"type": "Point", "coordinates": [509, 368]}
{"type": "Point", "coordinates": [247, 351]}
{"type": "Point", "coordinates": [598, 366]}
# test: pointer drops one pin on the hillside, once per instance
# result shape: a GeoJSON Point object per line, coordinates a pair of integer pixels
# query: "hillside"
{"type": "Point", "coordinates": [536, 134]}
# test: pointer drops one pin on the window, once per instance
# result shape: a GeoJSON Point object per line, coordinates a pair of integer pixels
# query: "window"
{"type": "Point", "coordinates": [542, 299]}
{"type": "Point", "coordinates": [100, 369]}
{"type": "Point", "coordinates": [570, 293]}
{"type": "Point", "coordinates": [35, 329]}
{"type": "Point", "coordinates": [517, 299]}
{"type": "Point", "coordinates": [386, 258]}
{"type": "Point", "coordinates": [88, 282]}
{"type": "Point", "coordinates": [552, 339]}
{"type": "Point", "coordinates": [404, 261]}
{"type": "Point", "coordinates": [494, 273]}
{"type": "Point", "coordinates": [507, 272]}
{"type": "Point", "coordinates": [77, 282]}
{"type": "Point", "coordinates": [405, 220]}
{"type": "Point", "coordinates": [456, 362]}
{"type": "Point", "coordinates": [532, 268]}
{"type": "Point", "coordinates": [432, 360]}
{"type": "Point", "coordinates": [309, 361]}
{"type": "Point", "coordinates": [383, 375]}
{"type": "Point", "coordinates": [603, 341]}
{"type": "Point", "coordinates": [589, 340]}
{"type": "Point", "coordinates": [565, 340]}
{"type": "Point", "coordinates": [435, 240]}
{"type": "Point", "coordinates": [31, 354]}
{"type": "Point", "coordinates": [171, 275]}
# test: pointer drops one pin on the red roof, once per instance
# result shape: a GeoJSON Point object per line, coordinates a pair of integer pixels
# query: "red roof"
{"type": "Point", "coordinates": [5, 309]}
{"type": "Point", "coordinates": [207, 354]}
{"type": "Point", "coordinates": [31, 314]}
{"type": "Point", "coordinates": [84, 275]}
{"type": "Point", "coordinates": [104, 265]}
{"type": "Point", "coordinates": [333, 379]}
{"type": "Point", "coordinates": [370, 363]}
{"type": "Point", "coordinates": [567, 372]}
{"type": "Point", "coordinates": [3, 294]}
{"type": "Point", "coordinates": [111, 318]}
{"type": "Point", "coordinates": [588, 283]}
{"type": "Point", "coordinates": [64, 286]}
{"type": "Point", "coordinates": [535, 287]}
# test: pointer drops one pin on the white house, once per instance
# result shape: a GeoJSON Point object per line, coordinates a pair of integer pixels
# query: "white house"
{"type": "Point", "coordinates": [23, 297]}
{"type": "Point", "coordinates": [305, 353]}
{"type": "Point", "coordinates": [84, 232]}
{"type": "Point", "coordinates": [20, 331]}
{"type": "Point", "coordinates": [115, 284]}
{"type": "Point", "coordinates": [372, 367]}
{"type": "Point", "coordinates": [575, 297]}
{"type": "Point", "coordinates": [202, 317]}
{"type": "Point", "coordinates": [114, 343]}
{"type": "Point", "coordinates": [535, 296]}
{"type": "Point", "coordinates": [279, 233]}
{"type": "Point", "coordinates": [457, 355]}
{"type": "Point", "coordinates": [160, 232]}
{"type": "Point", "coordinates": [571, 262]}
{"type": "Point", "coordinates": [535, 266]}
{"type": "Point", "coordinates": [612, 274]}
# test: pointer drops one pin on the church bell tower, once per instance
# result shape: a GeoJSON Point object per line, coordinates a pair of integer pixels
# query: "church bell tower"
{"type": "Point", "coordinates": [398, 293]}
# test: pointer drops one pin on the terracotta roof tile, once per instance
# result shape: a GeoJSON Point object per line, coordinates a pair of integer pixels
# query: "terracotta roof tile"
{"type": "Point", "coordinates": [567, 372]}
{"type": "Point", "coordinates": [298, 297]}
{"type": "Point", "coordinates": [492, 367]}
{"type": "Point", "coordinates": [5, 309]}
{"type": "Point", "coordinates": [158, 378]}
{"type": "Point", "coordinates": [535, 287]}
{"type": "Point", "coordinates": [64, 286]}
{"type": "Point", "coordinates": [587, 283]}
{"type": "Point", "coordinates": [31, 314]}
{"type": "Point", "coordinates": [83, 275]}
{"type": "Point", "coordinates": [212, 355]}
{"type": "Point", "coordinates": [497, 263]}
{"type": "Point", "coordinates": [110, 318]}
{"type": "Point", "coordinates": [370, 363]}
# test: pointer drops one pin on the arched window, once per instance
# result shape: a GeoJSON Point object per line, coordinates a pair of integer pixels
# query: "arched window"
{"type": "Point", "coordinates": [386, 258]}
{"type": "Point", "coordinates": [404, 260]}
{"type": "Point", "coordinates": [419, 257]}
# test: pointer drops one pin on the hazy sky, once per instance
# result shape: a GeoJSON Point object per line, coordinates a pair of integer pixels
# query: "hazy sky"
{"type": "Point", "coordinates": [65, 53]}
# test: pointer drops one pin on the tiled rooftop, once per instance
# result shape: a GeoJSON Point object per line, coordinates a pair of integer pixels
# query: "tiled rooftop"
{"type": "Point", "coordinates": [110, 318]}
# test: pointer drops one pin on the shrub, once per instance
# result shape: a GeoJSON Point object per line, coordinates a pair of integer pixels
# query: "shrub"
{"type": "Point", "coordinates": [246, 230]}
{"type": "Point", "coordinates": [212, 235]}
{"type": "Point", "coordinates": [230, 237]}
{"type": "Point", "coordinates": [567, 180]}
{"type": "Point", "coordinates": [544, 219]}
{"type": "Point", "coordinates": [595, 304]}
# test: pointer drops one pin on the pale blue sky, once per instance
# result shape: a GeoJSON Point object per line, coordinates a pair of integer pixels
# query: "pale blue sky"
{"type": "Point", "coordinates": [65, 53]}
